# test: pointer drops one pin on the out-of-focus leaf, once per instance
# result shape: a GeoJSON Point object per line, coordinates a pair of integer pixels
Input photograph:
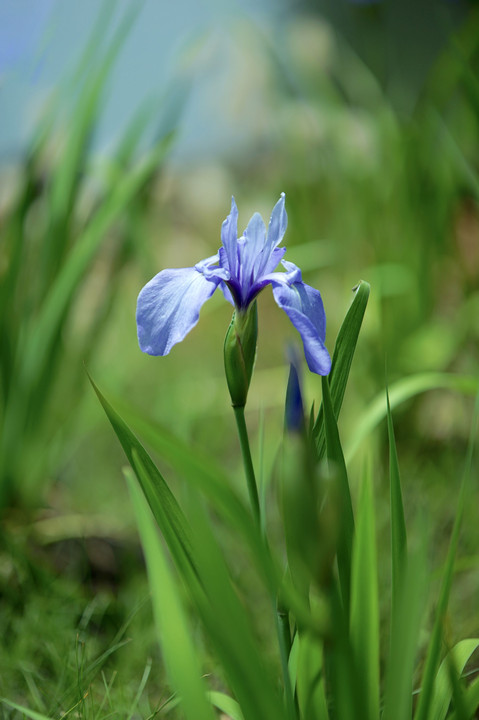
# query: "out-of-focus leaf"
{"type": "Point", "coordinates": [338, 471]}
{"type": "Point", "coordinates": [442, 693]}
{"type": "Point", "coordinates": [398, 523]}
{"type": "Point", "coordinates": [166, 510]}
{"type": "Point", "coordinates": [32, 714]}
{"type": "Point", "coordinates": [405, 628]}
{"type": "Point", "coordinates": [364, 625]}
{"type": "Point", "coordinates": [178, 650]}
{"type": "Point", "coordinates": [401, 391]}
{"type": "Point", "coordinates": [226, 705]}
{"type": "Point", "coordinates": [228, 626]}
{"type": "Point", "coordinates": [424, 707]}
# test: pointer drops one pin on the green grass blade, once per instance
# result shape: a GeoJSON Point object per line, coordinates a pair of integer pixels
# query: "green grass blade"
{"type": "Point", "coordinates": [221, 612]}
{"type": "Point", "coordinates": [364, 625]}
{"type": "Point", "coordinates": [49, 321]}
{"type": "Point", "coordinates": [229, 628]}
{"type": "Point", "coordinates": [345, 694]}
{"type": "Point", "coordinates": [398, 523]}
{"type": "Point", "coordinates": [178, 650]}
{"type": "Point", "coordinates": [166, 510]}
{"type": "Point", "coordinates": [423, 711]}
{"type": "Point", "coordinates": [471, 701]}
{"type": "Point", "coordinates": [458, 689]}
{"type": "Point", "coordinates": [401, 391]}
{"type": "Point", "coordinates": [226, 705]}
{"type": "Point", "coordinates": [405, 630]}
{"type": "Point", "coordinates": [201, 472]}
{"type": "Point", "coordinates": [67, 177]}
{"type": "Point", "coordinates": [341, 361]}
{"type": "Point", "coordinates": [308, 677]}
{"type": "Point", "coordinates": [337, 465]}
{"type": "Point", "coordinates": [32, 714]}
{"type": "Point", "coordinates": [442, 694]}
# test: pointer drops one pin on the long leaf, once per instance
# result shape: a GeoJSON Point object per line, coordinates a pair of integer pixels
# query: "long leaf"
{"type": "Point", "coordinates": [442, 694]}
{"type": "Point", "coordinates": [229, 629]}
{"type": "Point", "coordinates": [44, 331]}
{"type": "Point", "coordinates": [471, 700]}
{"type": "Point", "coordinates": [203, 569]}
{"type": "Point", "coordinates": [398, 523]}
{"type": "Point", "coordinates": [364, 627]}
{"type": "Point", "coordinates": [178, 650]}
{"type": "Point", "coordinates": [338, 470]}
{"type": "Point", "coordinates": [167, 512]}
{"type": "Point", "coordinates": [341, 362]}
{"type": "Point", "coordinates": [405, 628]}
{"type": "Point", "coordinates": [202, 473]}
{"type": "Point", "coordinates": [31, 714]}
{"type": "Point", "coordinates": [226, 704]}
{"type": "Point", "coordinates": [423, 711]}
{"type": "Point", "coordinates": [401, 391]}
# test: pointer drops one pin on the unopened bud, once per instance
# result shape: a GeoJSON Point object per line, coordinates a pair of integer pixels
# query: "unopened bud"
{"type": "Point", "coordinates": [240, 353]}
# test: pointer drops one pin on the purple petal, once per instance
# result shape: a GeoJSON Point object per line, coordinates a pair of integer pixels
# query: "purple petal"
{"type": "Point", "coordinates": [278, 223]}
{"type": "Point", "coordinates": [254, 242]}
{"type": "Point", "coordinates": [229, 236]}
{"type": "Point", "coordinates": [227, 293]}
{"type": "Point", "coordinates": [271, 262]}
{"type": "Point", "coordinates": [169, 307]}
{"type": "Point", "coordinates": [210, 270]}
{"type": "Point", "coordinates": [304, 307]}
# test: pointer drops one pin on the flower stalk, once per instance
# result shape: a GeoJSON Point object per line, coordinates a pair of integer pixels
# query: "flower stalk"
{"type": "Point", "coordinates": [247, 461]}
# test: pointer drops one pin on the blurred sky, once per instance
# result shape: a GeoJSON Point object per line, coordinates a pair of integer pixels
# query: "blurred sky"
{"type": "Point", "coordinates": [169, 42]}
{"type": "Point", "coordinates": [203, 64]}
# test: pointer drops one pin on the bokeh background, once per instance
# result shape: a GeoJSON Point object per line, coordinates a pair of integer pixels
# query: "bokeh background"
{"type": "Point", "coordinates": [125, 129]}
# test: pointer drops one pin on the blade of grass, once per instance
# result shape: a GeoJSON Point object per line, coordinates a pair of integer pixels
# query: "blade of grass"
{"type": "Point", "coordinates": [203, 473]}
{"type": "Point", "coordinates": [398, 523]}
{"type": "Point", "coordinates": [32, 714]}
{"type": "Point", "coordinates": [405, 627]}
{"type": "Point", "coordinates": [364, 624]}
{"type": "Point", "coordinates": [401, 391]}
{"type": "Point", "coordinates": [471, 699]}
{"type": "Point", "coordinates": [69, 172]}
{"type": "Point", "coordinates": [178, 650]}
{"type": "Point", "coordinates": [229, 628]}
{"type": "Point", "coordinates": [226, 705]}
{"type": "Point", "coordinates": [338, 470]}
{"type": "Point", "coordinates": [309, 677]}
{"type": "Point", "coordinates": [341, 361]}
{"type": "Point", "coordinates": [166, 510]}
{"type": "Point", "coordinates": [458, 688]}
{"type": "Point", "coordinates": [442, 694]}
{"type": "Point", "coordinates": [215, 600]}
{"type": "Point", "coordinates": [423, 710]}
{"type": "Point", "coordinates": [47, 324]}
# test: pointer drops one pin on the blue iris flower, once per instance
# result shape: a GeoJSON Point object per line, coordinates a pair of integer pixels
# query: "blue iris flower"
{"type": "Point", "coordinates": [169, 305]}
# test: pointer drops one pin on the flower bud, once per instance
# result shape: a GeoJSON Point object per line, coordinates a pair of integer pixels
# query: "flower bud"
{"type": "Point", "coordinates": [240, 353]}
{"type": "Point", "coordinates": [293, 408]}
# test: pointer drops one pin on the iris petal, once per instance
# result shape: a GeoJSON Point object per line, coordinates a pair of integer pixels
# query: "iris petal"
{"type": "Point", "coordinates": [254, 243]}
{"type": "Point", "coordinates": [169, 307]}
{"type": "Point", "coordinates": [227, 293]}
{"type": "Point", "coordinates": [304, 307]}
{"type": "Point", "coordinates": [278, 223]}
{"type": "Point", "coordinates": [229, 235]}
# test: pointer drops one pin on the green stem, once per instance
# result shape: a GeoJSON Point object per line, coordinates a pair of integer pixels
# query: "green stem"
{"type": "Point", "coordinates": [282, 619]}
{"type": "Point", "coordinates": [247, 461]}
